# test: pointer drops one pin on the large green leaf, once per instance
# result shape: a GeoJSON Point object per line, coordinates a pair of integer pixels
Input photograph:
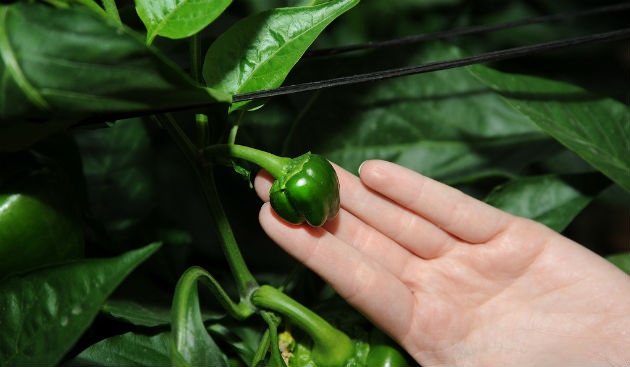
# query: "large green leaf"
{"type": "Point", "coordinates": [118, 165]}
{"type": "Point", "coordinates": [553, 200]}
{"type": "Point", "coordinates": [178, 18]}
{"type": "Point", "coordinates": [259, 51]}
{"type": "Point", "coordinates": [59, 66]}
{"type": "Point", "coordinates": [445, 124]}
{"type": "Point", "coordinates": [44, 312]}
{"type": "Point", "coordinates": [595, 128]}
{"type": "Point", "coordinates": [128, 349]}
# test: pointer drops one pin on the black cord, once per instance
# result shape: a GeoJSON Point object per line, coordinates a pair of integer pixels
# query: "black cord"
{"type": "Point", "coordinates": [435, 66]}
{"type": "Point", "coordinates": [391, 73]}
{"type": "Point", "coordinates": [466, 31]}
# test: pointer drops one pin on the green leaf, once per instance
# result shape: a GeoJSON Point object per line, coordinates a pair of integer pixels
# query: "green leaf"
{"type": "Point", "coordinates": [259, 51]}
{"type": "Point", "coordinates": [190, 342]}
{"type": "Point", "coordinates": [622, 261]}
{"type": "Point", "coordinates": [128, 349]}
{"type": "Point", "coordinates": [149, 315]}
{"type": "Point", "coordinates": [60, 66]}
{"type": "Point", "coordinates": [445, 124]}
{"type": "Point", "coordinates": [44, 312]}
{"type": "Point", "coordinates": [118, 165]}
{"type": "Point", "coordinates": [178, 18]}
{"type": "Point", "coordinates": [593, 127]}
{"type": "Point", "coordinates": [553, 200]}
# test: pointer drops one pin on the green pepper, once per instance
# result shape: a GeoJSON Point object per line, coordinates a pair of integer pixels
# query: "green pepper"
{"type": "Point", "coordinates": [306, 187]}
{"type": "Point", "coordinates": [383, 352]}
{"type": "Point", "coordinates": [308, 190]}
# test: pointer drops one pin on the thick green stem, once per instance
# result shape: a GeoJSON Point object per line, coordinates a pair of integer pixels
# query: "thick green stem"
{"type": "Point", "coordinates": [244, 279]}
{"type": "Point", "coordinates": [112, 10]}
{"type": "Point", "coordinates": [331, 346]}
{"type": "Point", "coordinates": [272, 163]}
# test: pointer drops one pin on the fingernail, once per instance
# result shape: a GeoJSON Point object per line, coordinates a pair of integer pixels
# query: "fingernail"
{"type": "Point", "coordinates": [360, 167]}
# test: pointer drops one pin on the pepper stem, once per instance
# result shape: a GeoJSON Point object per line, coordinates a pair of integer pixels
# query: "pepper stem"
{"type": "Point", "coordinates": [332, 347]}
{"type": "Point", "coordinates": [272, 163]}
{"type": "Point", "coordinates": [245, 281]}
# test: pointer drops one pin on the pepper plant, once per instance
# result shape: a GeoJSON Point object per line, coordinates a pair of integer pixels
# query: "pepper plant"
{"type": "Point", "coordinates": [117, 128]}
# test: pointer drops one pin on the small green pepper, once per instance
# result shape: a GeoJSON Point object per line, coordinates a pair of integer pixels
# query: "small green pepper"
{"type": "Point", "coordinates": [306, 187]}
{"type": "Point", "coordinates": [308, 190]}
{"type": "Point", "coordinates": [384, 352]}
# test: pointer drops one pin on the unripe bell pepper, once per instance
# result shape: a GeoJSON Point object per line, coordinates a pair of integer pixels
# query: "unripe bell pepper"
{"type": "Point", "coordinates": [308, 190]}
{"type": "Point", "coordinates": [306, 187]}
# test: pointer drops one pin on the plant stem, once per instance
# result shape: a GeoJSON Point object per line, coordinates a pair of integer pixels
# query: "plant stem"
{"type": "Point", "coordinates": [331, 347]}
{"type": "Point", "coordinates": [201, 120]}
{"type": "Point", "coordinates": [195, 57]}
{"type": "Point", "coordinates": [234, 129]}
{"type": "Point", "coordinates": [263, 346]}
{"type": "Point", "coordinates": [193, 274]}
{"type": "Point", "coordinates": [272, 163]}
{"type": "Point", "coordinates": [112, 10]}
{"type": "Point", "coordinates": [272, 320]}
{"type": "Point", "coordinates": [244, 279]}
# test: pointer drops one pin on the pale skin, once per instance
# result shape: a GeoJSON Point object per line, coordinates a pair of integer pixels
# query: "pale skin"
{"type": "Point", "coordinates": [457, 282]}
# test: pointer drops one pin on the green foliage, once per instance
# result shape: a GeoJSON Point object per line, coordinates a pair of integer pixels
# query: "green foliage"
{"type": "Point", "coordinates": [553, 200]}
{"type": "Point", "coordinates": [594, 128]}
{"type": "Point", "coordinates": [190, 343]}
{"type": "Point", "coordinates": [40, 222]}
{"type": "Point", "coordinates": [445, 124]}
{"type": "Point", "coordinates": [128, 349]}
{"type": "Point", "coordinates": [178, 18]}
{"type": "Point", "coordinates": [259, 51]}
{"type": "Point", "coordinates": [542, 145]}
{"type": "Point", "coordinates": [60, 66]}
{"type": "Point", "coordinates": [622, 261]}
{"type": "Point", "coordinates": [44, 312]}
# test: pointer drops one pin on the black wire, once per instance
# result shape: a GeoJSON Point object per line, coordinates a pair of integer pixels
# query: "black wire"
{"type": "Point", "coordinates": [387, 74]}
{"type": "Point", "coordinates": [466, 31]}
{"type": "Point", "coordinates": [435, 66]}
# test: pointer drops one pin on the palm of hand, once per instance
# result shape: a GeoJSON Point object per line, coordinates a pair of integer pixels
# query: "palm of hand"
{"type": "Point", "coordinates": [455, 281]}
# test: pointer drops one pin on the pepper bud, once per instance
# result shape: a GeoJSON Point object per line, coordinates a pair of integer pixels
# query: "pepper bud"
{"type": "Point", "coordinates": [307, 190]}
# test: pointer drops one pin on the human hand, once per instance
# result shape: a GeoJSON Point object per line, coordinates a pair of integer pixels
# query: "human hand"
{"type": "Point", "coordinates": [455, 281]}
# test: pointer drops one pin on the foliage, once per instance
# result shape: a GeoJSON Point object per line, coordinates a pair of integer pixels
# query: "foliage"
{"type": "Point", "coordinates": [103, 112]}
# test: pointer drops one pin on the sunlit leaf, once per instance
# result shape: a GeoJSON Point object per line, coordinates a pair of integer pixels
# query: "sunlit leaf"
{"type": "Point", "coordinates": [178, 18]}
{"type": "Point", "coordinates": [259, 51]}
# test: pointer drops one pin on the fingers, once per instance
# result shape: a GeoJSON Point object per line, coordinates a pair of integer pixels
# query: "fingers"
{"type": "Point", "coordinates": [449, 209]}
{"type": "Point", "coordinates": [404, 227]}
{"type": "Point", "coordinates": [353, 275]}
{"type": "Point", "coordinates": [349, 229]}
{"type": "Point", "coordinates": [413, 232]}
